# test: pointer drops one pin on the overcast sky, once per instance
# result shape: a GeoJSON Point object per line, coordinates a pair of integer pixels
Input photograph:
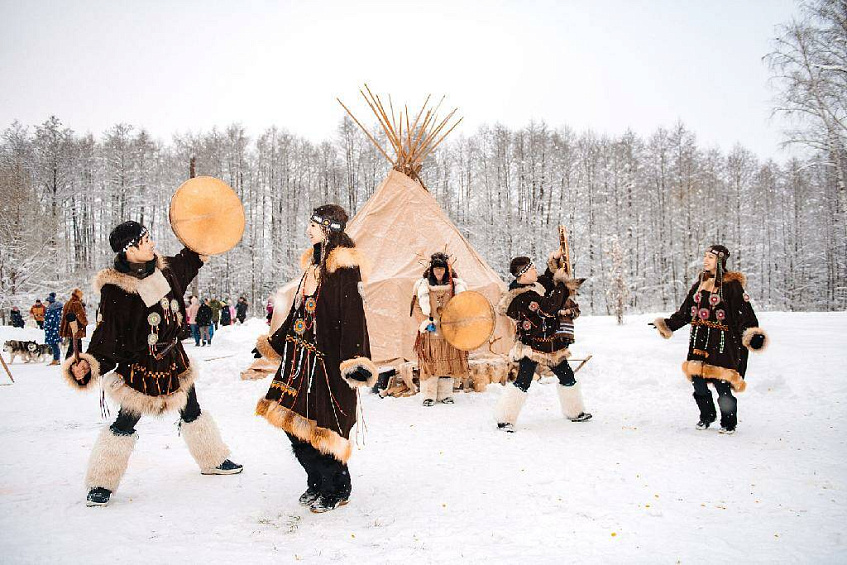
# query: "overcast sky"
{"type": "Point", "coordinates": [605, 65]}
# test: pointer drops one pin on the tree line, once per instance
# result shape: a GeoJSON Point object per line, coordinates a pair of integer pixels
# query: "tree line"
{"type": "Point", "coordinates": [640, 210]}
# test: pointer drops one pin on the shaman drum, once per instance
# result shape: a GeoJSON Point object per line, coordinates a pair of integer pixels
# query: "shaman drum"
{"type": "Point", "coordinates": [468, 320]}
{"type": "Point", "coordinates": [207, 216]}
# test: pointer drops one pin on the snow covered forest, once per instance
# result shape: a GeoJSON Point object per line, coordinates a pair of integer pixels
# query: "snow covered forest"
{"type": "Point", "coordinates": [658, 199]}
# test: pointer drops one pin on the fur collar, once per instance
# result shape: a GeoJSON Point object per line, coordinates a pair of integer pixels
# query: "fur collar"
{"type": "Point", "coordinates": [340, 258]}
{"type": "Point", "coordinates": [728, 277]}
{"type": "Point", "coordinates": [437, 287]}
{"type": "Point", "coordinates": [735, 276]}
{"type": "Point", "coordinates": [508, 297]}
{"type": "Point", "coordinates": [571, 284]}
{"type": "Point", "coordinates": [125, 282]}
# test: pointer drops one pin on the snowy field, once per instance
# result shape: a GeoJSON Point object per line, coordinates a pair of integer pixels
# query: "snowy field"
{"type": "Point", "coordinates": [637, 484]}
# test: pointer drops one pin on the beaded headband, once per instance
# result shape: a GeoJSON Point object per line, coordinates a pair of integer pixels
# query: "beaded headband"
{"type": "Point", "coordinates": [525, 269]}
{"type": "Point", "coordinates": [135, 240]}
{"type": "Point", "coordinates": [331, 225]}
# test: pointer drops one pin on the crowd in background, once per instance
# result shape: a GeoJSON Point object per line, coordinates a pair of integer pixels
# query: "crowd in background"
{"type": "Point", "coordinates": [57, 320]}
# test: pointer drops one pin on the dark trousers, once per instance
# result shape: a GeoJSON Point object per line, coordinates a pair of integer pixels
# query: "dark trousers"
{"type": "Point", "coordinates": [125, 422]}
{"type": "Point", "coordinates": [726, 401]}
{"type": "Point", "coordinates": [70, 350]}
{"type": "Point", "coordinates": [323, 472]}
{"type": "Point", "coordinates": [526, 371]}
{"type": "Point", "coordinates": [57, 351]}
{"type": "Point", "coordinates": [40, 324]}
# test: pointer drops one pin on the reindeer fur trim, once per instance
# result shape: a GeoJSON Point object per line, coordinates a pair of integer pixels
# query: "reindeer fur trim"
{"type": "Point", "coordinates": [350, 365]}
{"type": "Point", "coordinates": [700, 369]}
{"type": "Point", "coordinates": [520, 350]}
{"type": "Point", "coordinates": [508, 297]}
{"type": "Point", "coordinates": [570, 283]}
{"type": "Point", "coordinates": [735, 276]}
{"type": "Point", "coordinates": [663, 328]}
{"type": "Point", "coordinates": [139, 403]}
{"type": "Point", "coordinates": [109, 459]}
{"type": "Point", "coordinates": [570, 400]}
{"type": "Point", "coordinates": [324, 440]}
{"type": "Point", "coordinates": [341, 258]}
{"type": "Point", "coordinates": [204, 442]}
{"type": "Point", "coordinates": [69, 376]}
{"type": "Point", "coordinates": [509, 404]}
{"type": "Point", "coordinates": [747, 337]}
{"type": "Point", "coordinates": [125, 282]}
{"type": "Point", "coordinates": [264, 346]}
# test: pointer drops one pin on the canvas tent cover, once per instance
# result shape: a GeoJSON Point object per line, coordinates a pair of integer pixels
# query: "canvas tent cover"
{"type": "Point", "coordinates": [400, 226]}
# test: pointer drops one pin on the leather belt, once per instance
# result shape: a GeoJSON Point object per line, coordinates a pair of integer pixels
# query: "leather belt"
{"type": "Point", "coordinates": [168, 346]}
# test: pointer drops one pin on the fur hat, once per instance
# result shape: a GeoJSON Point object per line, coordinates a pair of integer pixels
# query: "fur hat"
{"type": "Point", "coordinates": [519, 266]}
{"type": "Point", "coordinates": [126, 235]}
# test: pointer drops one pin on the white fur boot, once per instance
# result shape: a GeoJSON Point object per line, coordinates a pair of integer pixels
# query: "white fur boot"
{"type": "Point", "coordinates": [429, 390]}
{"type": "Point", "coordinates": [445, 390]}
{"type": "Point", "coordinates": [204, 443]}
{"type": "Point", "coordinates": [109, 460]}
{"type": "Point", "coordinates": [570, 397]}
{"type": "Point", "coordinates": [509, 406]}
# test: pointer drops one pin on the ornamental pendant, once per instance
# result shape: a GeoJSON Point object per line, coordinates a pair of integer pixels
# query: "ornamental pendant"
{"type": "Point", "coordinates": [154, 319]}
{"type": "Point", "coordinates": [311, 305]}
{"type": "Point", "coordinates": [299, 327]}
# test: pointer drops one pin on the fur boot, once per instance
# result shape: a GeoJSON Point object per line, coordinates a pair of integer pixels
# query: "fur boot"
{"type": "Point", "coordinates": [429, 388]}
{"type": "Point", "coordinates": [570, 398]}
{"type": "Point", "coordinates": [109, 459]}
{"type": "Point", "coordinates": [204, 442]}
{"type": "Point", "coordinates": [509, 405]}
{"type": "Point", "coordinates": [445, 389]}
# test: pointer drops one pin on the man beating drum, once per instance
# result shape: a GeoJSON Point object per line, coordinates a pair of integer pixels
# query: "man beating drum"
{"type": "Point", "coordinates": [136, 349]}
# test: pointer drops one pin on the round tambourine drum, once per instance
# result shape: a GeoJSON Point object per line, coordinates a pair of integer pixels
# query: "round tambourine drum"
{"type": "Point", "coordinates": [207, 216]}
{"type": "Point", "coordinates": [468, 321]}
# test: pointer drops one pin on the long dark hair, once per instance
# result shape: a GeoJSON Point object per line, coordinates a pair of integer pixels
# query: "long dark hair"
{"type": "Point", "coordinates": [449, 274]}
{"type": "Point", "coordinates": [336, 215]}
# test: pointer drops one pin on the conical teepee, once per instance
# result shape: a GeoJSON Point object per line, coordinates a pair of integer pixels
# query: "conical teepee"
{"type": "Point", "coordinates": [398, 228]}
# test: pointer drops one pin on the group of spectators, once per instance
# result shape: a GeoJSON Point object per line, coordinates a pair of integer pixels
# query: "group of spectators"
{"type": "Point", "coordinates": [52, 316]}
{"type": "Point", "coordinates": [205, 316]}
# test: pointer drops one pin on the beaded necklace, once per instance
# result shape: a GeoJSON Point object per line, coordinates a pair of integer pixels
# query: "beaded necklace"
{"type": "Point", "coordinates": [700, 314]}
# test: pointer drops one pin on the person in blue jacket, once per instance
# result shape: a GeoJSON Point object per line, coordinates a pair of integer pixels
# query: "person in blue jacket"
{"type": "Point", "coordinates": [52, 321]}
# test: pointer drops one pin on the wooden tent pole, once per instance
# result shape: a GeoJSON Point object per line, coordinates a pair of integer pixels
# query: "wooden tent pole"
{"type": "Point", "coordinates": [442, 138]}
{"type": "Point", "coordinates": [374, 141]}
{"type": "Point", "coordinates": [385, 128]}
{"type": "Point", "coordinates": [8, 372]}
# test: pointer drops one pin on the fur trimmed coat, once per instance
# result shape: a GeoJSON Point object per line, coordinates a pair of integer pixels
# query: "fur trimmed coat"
{"type": "Point", "coordinates": [73, 306]}
{"type": "Point", "coordinates": [542, 333]}
{"type": "Point", "coordinates": [127, 341]}
{"type": "Point", "coordinates": [723, 324]}
{"type": "Point", "coordinates": [320, 346]}
{"type": "Point", "coordinates": [436, 356]}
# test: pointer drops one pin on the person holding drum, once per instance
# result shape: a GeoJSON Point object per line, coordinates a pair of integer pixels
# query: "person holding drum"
{"type": "Point", "coordinates": [136, 351]}
{"type": "Point", "coordinates": [324, 353]}
{"type": "Point", "coordinates": [543, 310]}
{"type": "Point", "coordinates": [438, 361]}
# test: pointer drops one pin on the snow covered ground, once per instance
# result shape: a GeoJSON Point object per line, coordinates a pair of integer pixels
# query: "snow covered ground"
{"type": "Point", "coordinates": [635, 484]}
